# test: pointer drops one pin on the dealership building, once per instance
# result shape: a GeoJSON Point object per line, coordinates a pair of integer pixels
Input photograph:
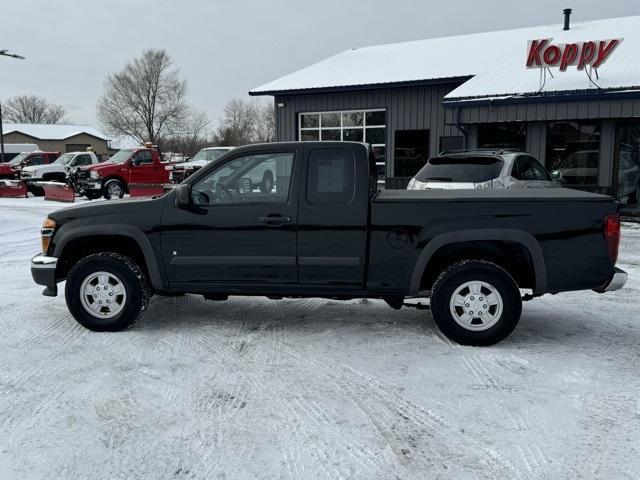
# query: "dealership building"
{"type": "Point", "coordinates": [569, 94]}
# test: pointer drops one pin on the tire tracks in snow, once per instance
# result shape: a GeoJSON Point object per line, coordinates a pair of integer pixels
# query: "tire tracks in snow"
{"type": "Point", "coordinates": [385, 409]}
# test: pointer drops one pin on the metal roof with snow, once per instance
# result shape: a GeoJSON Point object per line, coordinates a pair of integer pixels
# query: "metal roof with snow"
{"type": "Point", "coordinates": [493, 63]}
{"type": "Point", "coordinates": [51, 131]}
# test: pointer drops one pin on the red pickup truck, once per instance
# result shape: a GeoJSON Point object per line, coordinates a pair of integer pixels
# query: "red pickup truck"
{"type": "Point", "coordinates": [12, 168]}
{"type": "Point", "coordinates": [139, 169]}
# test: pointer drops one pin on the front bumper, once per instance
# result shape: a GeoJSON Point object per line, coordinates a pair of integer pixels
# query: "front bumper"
{"type": "Point", "coordinates": [91, 185]}
{"type": "Point", "coordinates": [31, 179]}
{"type": "Point", "coordinates": [43, 271]}
{"type": "Point", "coordinates": [616, 282]}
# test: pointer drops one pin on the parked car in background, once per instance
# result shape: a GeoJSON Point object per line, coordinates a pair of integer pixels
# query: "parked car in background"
{"type": "Point", "coordinates": [56, 171]}
{"type": "Point", "coordinates": [131, 167]}
{"type": "Point", "coordinates": [12, 150]}
{"type": "Point", "coordinates": [470, 169]}
{"type": "Point", "coordinates": [13, 168]}
{"type": "Point", "coordinates": [180, 171]}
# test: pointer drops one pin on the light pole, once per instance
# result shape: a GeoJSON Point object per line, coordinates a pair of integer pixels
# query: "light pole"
{"type": "Point", "coordinates": [5, 53]}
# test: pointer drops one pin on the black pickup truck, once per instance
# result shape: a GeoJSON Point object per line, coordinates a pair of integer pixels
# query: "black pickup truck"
{"type": "Point", "coordinates": [321, 228]}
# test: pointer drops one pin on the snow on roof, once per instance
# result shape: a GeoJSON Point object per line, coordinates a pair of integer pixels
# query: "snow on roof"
{"type": "Point", "coordinates": [51, 131]}
{"type": "Point", "coordinates": [496, 60]}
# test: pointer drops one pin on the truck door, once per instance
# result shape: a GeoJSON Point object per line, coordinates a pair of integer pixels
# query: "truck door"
{"type": "Point", "coordinates": [242, 229]}
{"type": "Point", "coordinates": [144, 170]}
{"type": "Point", "coordinates": [333, 215]}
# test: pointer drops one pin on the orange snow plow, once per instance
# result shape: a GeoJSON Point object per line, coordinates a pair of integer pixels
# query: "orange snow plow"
{"type": "Point", "coordinates": [58, 191]}
{"type": "Point", "coordinates": [12, 188]}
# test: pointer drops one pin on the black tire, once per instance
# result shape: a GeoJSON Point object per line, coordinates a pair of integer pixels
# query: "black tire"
{"type": "Point", "coordinates": [457, 275]}
{"type": "Point", "coordinates": [91, 195]}
{"type": "Point", "coordinates": [36, 191]}
{"type": "Point", "coordinates": [108, 185]}
{"type": "Point", "coordinates": [133, 279]}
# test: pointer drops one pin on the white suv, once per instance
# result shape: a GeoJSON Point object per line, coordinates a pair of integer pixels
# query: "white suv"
{"type": "Point", "coordinates": [471, 169]}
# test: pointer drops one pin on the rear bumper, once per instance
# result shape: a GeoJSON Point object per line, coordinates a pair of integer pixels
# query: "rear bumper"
{"type": "Point", "coordinates": [616, 282]}
{"type": "Point", "coordinates": [43, 271]}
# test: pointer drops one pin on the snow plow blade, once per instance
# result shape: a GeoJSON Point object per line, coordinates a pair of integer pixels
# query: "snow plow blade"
{"type": "Point", "coordinates": [145, 190]}
{"type": "Point", "coordinates": [57, 191]}
{"type": "Point", "coordinates": [12, 188]}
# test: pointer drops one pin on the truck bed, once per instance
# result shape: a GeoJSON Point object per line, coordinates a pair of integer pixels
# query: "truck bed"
{"type": "Point", "coordinates": [568, 232]}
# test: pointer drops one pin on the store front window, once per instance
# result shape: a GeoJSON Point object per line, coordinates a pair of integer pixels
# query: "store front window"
{"type": "Point", "coordinates": [348, 126]}
{"type": "Point", "coordinates": [573, 153]}
{"type": "Point", "coordinates": [411, 152]}
{"type": "Point", "coordinates": [627, 164]}
{"type": "Point", "coordinates": [502, 135]}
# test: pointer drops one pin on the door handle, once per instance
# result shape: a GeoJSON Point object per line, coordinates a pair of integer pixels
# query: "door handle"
{"type": "Point", "coordinates": [275, 220]}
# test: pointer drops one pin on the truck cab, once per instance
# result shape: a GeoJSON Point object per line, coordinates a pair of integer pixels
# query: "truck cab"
{"type": "Point", "coordinates": [56, 171]}
{"type": "Point", "coordinates": [13, 167]}
{"type": "Point", "coordinates": [129, 168]}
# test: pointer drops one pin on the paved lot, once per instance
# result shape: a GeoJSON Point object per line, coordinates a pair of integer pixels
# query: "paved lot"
{"type": "Point", "coordinates": [254, 388]}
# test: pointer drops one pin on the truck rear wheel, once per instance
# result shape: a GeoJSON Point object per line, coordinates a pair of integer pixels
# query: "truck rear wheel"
{"type": "Point", "coordinates": [113, 189]}
{"type": "Point", "coordinates": [475, 302]}
{"type": "Point", "coordinates": [107, 292]}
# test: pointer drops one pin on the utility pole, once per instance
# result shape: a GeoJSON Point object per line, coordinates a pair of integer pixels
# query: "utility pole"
{"type": "Point", "coordinates": [5, 53]}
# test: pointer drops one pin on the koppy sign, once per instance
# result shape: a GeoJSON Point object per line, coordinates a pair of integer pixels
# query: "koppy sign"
{"type": "Point", "coordinates": [544, 54]}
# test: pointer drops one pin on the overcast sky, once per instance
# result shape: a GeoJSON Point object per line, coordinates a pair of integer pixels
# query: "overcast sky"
{"type": "Point", "coordinates": [226, 48]}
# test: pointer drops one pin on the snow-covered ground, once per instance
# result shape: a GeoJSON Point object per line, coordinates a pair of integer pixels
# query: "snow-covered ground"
{"type": "Point", "coordinates": [304, 389]}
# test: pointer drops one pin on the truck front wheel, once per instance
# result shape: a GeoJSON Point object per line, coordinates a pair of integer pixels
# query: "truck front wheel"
{"type": "Point", "coordinates": [475, 302]}
{"type": "Point", "coordinates": [113, 189]}
{"type": "Point", "coordinates": [107, 292]}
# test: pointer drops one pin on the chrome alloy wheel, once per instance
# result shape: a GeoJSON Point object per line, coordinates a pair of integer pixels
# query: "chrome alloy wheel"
{"type": "Point", "coordinates": [476, 306]}
{"type": "Point", "coordinates": [114, 189]}
{"type": "Point", "coordinates": [103, 295]}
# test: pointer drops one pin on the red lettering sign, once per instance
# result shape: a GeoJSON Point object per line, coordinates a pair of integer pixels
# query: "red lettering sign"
{"type": "Point", "coordinates": [543, 54]}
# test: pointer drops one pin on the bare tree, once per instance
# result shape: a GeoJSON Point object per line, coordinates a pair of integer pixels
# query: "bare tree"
{"type": "Point", "coordinates": [265, 125]}
{"type": "Point", "coordinates": [246, 122]}
{"type": "Point", "coordinates": [145, 100]}
{"type": "Point", "coordinates": [190, 138]}
{"type": "Point", "coordinates": [32, 109]}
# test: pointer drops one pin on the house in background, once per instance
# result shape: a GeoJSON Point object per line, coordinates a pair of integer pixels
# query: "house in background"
{"type": "Point", "coordinates": [58, 138]}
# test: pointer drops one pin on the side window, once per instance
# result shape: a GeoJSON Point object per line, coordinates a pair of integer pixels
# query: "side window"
{"type": "Point", "coordinates": [331, 176]}
{"type": "Point", "coordinates": [528, 168]}
{"type": "Point", "coordinates": [144, 156]}
{"type": "Point", "coordinates": [82, 160]}
{"type": "Point", "coordinates": [539, 171]}
{"type": "Point", "coordinates": [36, 160]}
{"type": "Point", "coordinates": [258, 178]}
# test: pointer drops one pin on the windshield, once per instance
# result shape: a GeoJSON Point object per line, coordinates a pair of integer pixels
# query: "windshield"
{"type": "Point", "coordinates": [17, 160]}
{"type": "Point", "coordinates": [65, 159]}
{"type": "Point", "coordinates": [121, 157]}
{"type": "Point", "coordinates": [209, 155]}
{"type": "Point", "coordinates": [464, 169]}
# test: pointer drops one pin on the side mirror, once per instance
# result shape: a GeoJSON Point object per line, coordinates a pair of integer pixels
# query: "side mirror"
{"type": "Point", "coordinates": [556, 175]}
{"type": "Point", "coordinates": [183, 195]}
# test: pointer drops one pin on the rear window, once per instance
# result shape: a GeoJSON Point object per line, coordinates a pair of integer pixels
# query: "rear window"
{"type": "Point", "coordinates": [465, 169]}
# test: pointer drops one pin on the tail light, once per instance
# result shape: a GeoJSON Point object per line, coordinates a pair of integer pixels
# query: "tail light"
{"type": "Point", "coordinates": [612, 235]}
